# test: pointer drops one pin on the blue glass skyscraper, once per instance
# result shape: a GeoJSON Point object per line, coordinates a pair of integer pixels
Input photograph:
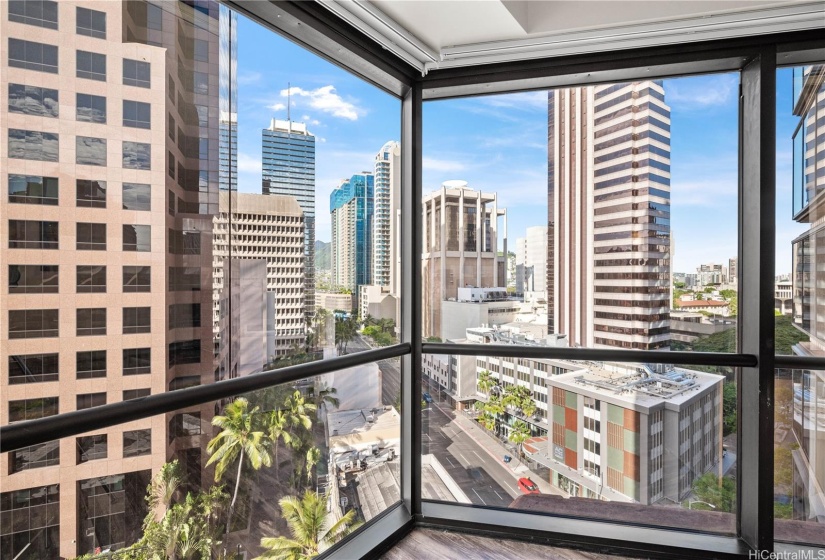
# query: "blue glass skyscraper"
{"type": "Point", "coordinates": [352, 206]}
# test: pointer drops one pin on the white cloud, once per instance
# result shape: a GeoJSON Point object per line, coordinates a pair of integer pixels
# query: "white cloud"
{"type": "Point", "coordinates": [249, 164]}
{"type": "Point", "coordinates": [701, 93]}
{"type": "Point", "coordinates": [276, 107]}
{"type": "Point", "coordinates": [432, 164]}
{"type": "Point", "coordinates": [305, 118]}
{"type": "Point", "coordinates": [325, 99]}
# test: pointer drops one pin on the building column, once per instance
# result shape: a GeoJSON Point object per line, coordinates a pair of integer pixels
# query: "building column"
{"type": "Point", "coordinates": [461, 236]}
{"type": "Point", "coordinates": [479, 237]}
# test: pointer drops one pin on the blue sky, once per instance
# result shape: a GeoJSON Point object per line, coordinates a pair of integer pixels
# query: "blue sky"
{"type": "Point", "coordinates": [499, 143]}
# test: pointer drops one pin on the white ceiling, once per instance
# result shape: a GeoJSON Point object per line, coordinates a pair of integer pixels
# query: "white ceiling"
{"type": "Point", "coordinates": [443, 33]}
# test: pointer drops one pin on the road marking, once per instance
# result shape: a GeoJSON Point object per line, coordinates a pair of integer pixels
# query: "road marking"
{"type": "Point", "coordinates": [479, 497]}
{"type": "Point", "coordinates": [428, 436]}
{"type": "Point", "coordinates": [479, 456]}
{"type": "Point", "coordinates": [465, 459]}
{"type": "Point", "coordinates": [497, 494]}
{"type": "Point", "coordinates": [448, 460]}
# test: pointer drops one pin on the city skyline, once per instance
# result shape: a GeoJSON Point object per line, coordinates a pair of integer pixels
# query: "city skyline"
{"type": "Point", "coordinates": [473, 140]}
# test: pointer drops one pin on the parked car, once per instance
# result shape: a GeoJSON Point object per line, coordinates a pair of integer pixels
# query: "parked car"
{"type": "Point", "coordinates": [428, 398]}
{"type": "Point", "coordinates": [527, 486]}
{"type": "Point", "coordinates": [507, 458]}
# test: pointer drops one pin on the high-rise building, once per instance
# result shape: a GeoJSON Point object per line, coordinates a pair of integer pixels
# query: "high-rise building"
{"type": "Point", "coordinates": [531, 261]}
{"type": "Point", "coordinates": [289, 170]}
{"type": "Point", "coordinates": [228, 99]}
{"type": "Point", "coordinates": [352, 207]}
{"type": "Point", "coordinates": [808, 294]}
{"type": "Point", "coordinates": [269, 229]}
{"type": "Point", "coordinates": [608, 264]}
{"type": "Point", "coordinates": [461, 238]}
{"type": "Point", "coordinates": [111, 161]}
{"type": "Point", "coordinates": [733, 273]}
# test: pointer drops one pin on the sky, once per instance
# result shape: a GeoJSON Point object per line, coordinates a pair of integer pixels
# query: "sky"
{"type": "Point", "coordinates": [499, 143]}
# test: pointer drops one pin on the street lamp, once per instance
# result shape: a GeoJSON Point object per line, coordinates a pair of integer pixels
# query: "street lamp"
{"type": "Point", "coordinates": [691, 502]}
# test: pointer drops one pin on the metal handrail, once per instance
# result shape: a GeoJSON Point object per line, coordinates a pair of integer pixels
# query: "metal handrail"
{"type": "Point", "coordinates": [23, 434]}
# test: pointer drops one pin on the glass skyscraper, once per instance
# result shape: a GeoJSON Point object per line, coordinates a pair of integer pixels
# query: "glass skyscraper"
{"type": "Point", "coordinates": [289, 170]}
{"type": "Point", "coordinates": [352, 206]}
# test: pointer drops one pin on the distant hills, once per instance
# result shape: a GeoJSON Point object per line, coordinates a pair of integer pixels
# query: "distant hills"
{"type": "Point", "coordinates": [322, 251]}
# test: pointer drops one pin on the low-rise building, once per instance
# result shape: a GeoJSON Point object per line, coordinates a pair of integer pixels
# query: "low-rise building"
{"type": "Point", "coordinates": [377, 302]}
{"type": "Point", "coordinates": [715, 307]}
{"type": "Point", "coordinates": [687, 326]}
{"type": "Point", "coordinates": [334, 301]}
{"type": "Point", "coordinates": [474, 307]}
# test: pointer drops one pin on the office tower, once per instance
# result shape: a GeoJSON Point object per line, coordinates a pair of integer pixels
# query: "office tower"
{"type": "Point", "coordinates": [112, 131]}
{"type": "Point", "coordinates": [289, 170]}
{"type": "Point", "coordinates": [460, 250]}
{"type": "Point", "coordinates": [808, 296]}
{"type": "Point", "coordinates": [733, 273]}
{"type": "Point", "coordinates": [268, 230]}
{"type": "Point", "coordinates": [228, 99]}
{"type": "Point", "coordinates": [608, 264]}
{"type": "Point", "coordinates": [352, 207]}
{"type": "Point", "coordinates": [387, 206]}
{"type": "Point", "coordinates": [531, 262]}
{"type": "Point", "coordinates": [711, 274]}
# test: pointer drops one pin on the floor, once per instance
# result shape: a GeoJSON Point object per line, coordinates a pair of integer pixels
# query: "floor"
{"type": "Point", "coordinates": [423, 544]}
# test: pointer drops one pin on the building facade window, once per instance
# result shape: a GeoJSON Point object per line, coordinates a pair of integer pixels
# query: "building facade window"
{"type": "Point", "coordinates": [91, 321]}
{"type": "Point", "coordinates": [91, 448]}
{"type": "Point", "coordinates": [137, 196]}
{"type": "Point", "coordinates": [42, 13]}
{"type": "Point", "coordinates": [184, 425]}
{"type": "Point", "coordinates": [91, 194]}
{"type": "Point", "coordinates": [91, 23]}
{"type": "Point", "coordinates": [90, 151]}
{"type": "Point", "coordinates": [137, 114]}
{"type": "Point", "coordinates": [90, 364]}
{"type": "Point", "coordinates": [137, 443]}
{"type": "Point", "coordinates": [137, 238]}
{"type": "Point", "coordinates": [137, 278]}
{"type": "Point", "coordinates": [90, 108]}
{"type": "Point", "coordinates": [32, 189]}
{"type": "Point", "coordinates": [32, 56]}
{"type": "Point", "coordinates": [37, 531]}
{"type": "Point", "coordinates": [137, 320]}
{"type": "Point", "coordinates": [33, 368]}
{"type": "Point", "coordinates": [33, 145]}
{"type": "Point", "coordinates": [185, 352]}
{"type": "Point", "coordinates": [137, 155]}
{"type": "Point", "coordinates": [184, 315]}
{"type": "Point", "coordinates": [137, 361]}
{"type": "Point", "coordinates": [91, 66]}
{"type": "Point", "coordinates": [90, 400]}
{"type": "Point", "coordinates": [132, 394]}
{"type": "Point", "coordinates": [33, 409]}
{"type": "Point", "coordinates": [91, 237]}
{"type": "Point", "coordinates": [136, 73]}
{"type": "Point", "coordinates": [91, 279]}
{"type": "Point", "coordinates": [33, 279]}
{"type": "Point", "coordinates": [33, 323]}
{"type": "Point", "coordinates": [33, 100]}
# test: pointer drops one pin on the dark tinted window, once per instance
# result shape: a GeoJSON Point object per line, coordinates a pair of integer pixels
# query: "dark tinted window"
{"type": "Point", "coordinates": [33, 368]}
{"type": "Point", "coordinates": [137, 361]}
{"type": "Point", "coordinates": [185, 352]}
{"type": "Point", "coordinates": [136, 394]}
{"type": "Point", "coordinates": [33, 323]}
{"type": "Point", "coordinates": [91, 364]}
{"type": "Point", "coordinates": [33, 279]}
{"type": "Point", "coordinates": [137, 278]}
{"type": "Point", "coordinates": [137, 114]}
{"type": "Point", "coordinates": [29, 144]}
{"type": "Point", "coordinates": [136, 73]}
{"type": "Point", "coordinates": [137, 196]}
{"type": "Point", "coordinates": [91, 321]}
{"type": "Point", "coordinates": [32, 189]}
{"type": "Point", "coordinates": [137, 320]}
{"type": "Point", "coordinates": [91, 65]}
{"type": "Point", "coordinates": [90, 448]}
{"type": "Point", "coordinates": [32, 409]}
{"type": "Point", "coordinates": [91, 194]}
{"type": "Point", "coordinates": [182, 315]}
{"type": "Point", "coordinates": [184, 381]}
{"type": "Point", "coordinates": [91, 279]}
{"type": "Point", "coordinates": [137, 155]}
{"type": "Point", "coordinates": [42, 13]}
{"type": "Point", "coordinates": [91, 237]}
{"type": "Point", "coordinates": [32, 234]}
{"type": "Point", "coordinates": [185, 424]}
{"type": "Point", "coordinates": [91, 108]}
{"type": "Point", "coordinates": [90, 151]}
{"type": "Point", "coordinates": [32, 56]}
{"type": "Point", "coordinates": [36, 457]}
{"type": "Point", "coordinates": [90, 400]}
{"type": "Point", "coordinates": [33, 100]}
{"type": "Point", "coordinates": [91, 23]}
{"type": "Point", "coordinates": [137, 238]}
{"type": "Point", "coordinates": [184, 279]}
{"type": "Point", "coordinates": [137, 442]}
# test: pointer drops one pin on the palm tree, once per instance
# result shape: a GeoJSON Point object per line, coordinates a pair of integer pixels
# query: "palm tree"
{"type": "Point", "coordinates": [520, 398]}
{"type": "Point", "coordinates": [494, 407]}
{"type": "Point", "coordinates": [310, 526]}
{"type": "Point", "coordinates": [345, 330]}
{"type": "Point", "coordinates": [326, 396]}
{"type": "Point", "coordinates": [485, 382]}
{"type": "Point", "coordinates": [297, 409]}
{"type": "Point", "coordinates": [163, 488]}
{"type": "Point", "coordinates": [313, 457]}
{"type": "Point", "coordinates": [277, 425]}
{"type": "Point", "coordinates": [519, 433]}
{"type": "Point", "coordinates": [239, 438]}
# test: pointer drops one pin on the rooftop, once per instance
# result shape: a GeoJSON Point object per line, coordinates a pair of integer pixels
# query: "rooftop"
{"type": "Point", "coordinates": [361, 428]}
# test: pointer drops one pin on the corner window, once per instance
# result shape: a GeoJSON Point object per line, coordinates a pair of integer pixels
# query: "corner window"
{"type": "Point", "coordinates": [91, 23]}
{"type": "Point", "coordinates": [32, 56]}
{"type": "Point", "coordinates": [91, 66]}
{"type": "Point", "coordinates": [33, 100]}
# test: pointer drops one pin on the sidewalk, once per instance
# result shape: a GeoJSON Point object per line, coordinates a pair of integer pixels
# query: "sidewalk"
{"type": "Point", "coordinates": [497, 451]}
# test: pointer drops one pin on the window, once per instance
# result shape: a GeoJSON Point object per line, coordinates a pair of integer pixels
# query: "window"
{"type": "Point", "coordinates": [183, 315]}
{"type": "Point", "coordinates": [136, 394]}
{"type": "Point", "coordinates": [137, 196]}
{"type": "Point", "coordinates": [184, 279]}
{"type": "Point", "coordinates": [171, 127]}
{"type": "Point", "coordinates": [91, 108]}
{"type": "Point", "coordinates": [37, 146]}
{"type": "Point", "coordinates": [91, 66]}
{"type": "Point", "coordinates": [201, 50]}
{"type": "Point", "coordinates": [32, 56]}
{"type": "Point", "coordinates": [33, 100]}
{"type": "Point", "coordinates": [171, 165]}
{"type": "Point", "coordinates": [137, 238]}
{"type": "Point", "coordinates": [154, 17]}
{"type": "Point", "coordinates": [136, 73]}
{"type": "Point", "coordinates": [137, 114]}
{"type": "Point", "coordinates": [200, 82]}
{"type": "Point", "coordinates": [185, 352]}
{"type": "Point", "coordinates": [30, 234]}
{"type": "Point", "coordinates": [137, 443]}
{"type": "Point", "coordinates": [137, 155]}
{"type": "Point", "coordinates": [31, 189]}
{"type": "Point", "coordinates": [137, 320]}
{"type": "Point", "coordinates": [91, 279]}
{"type": "Point", "coordinates": [33, 279]}
{"type": "Point", "coordinates": [137, 278]}
{"type": "Point", "coordinates": [91, 237]}
{"type": "Point", "coordinates": [90, 364]}
{"type": "Point", "coordinates": [91, 194]}
{"type": "Point", "coordinates": [184, 381]}
{"type": "Point", "coordinates": [90, 151]}
{"type": "Point", "coordinates": [91, 321]}
{"type": "Point", "coordinates": [91, 23]}
{"type": "Point", "coordinates": [33, 368]}
{"type": "Point", "coordinates": [184, 242]}
{"type": "Point", "coordinates": [33, 323]}
{"type": "Point", "coordinates": [90, 400]}
{"type": "Point", "coordinates": [203, 148]}
{"type": "Point", "coordinates": [90, 448]}
{"type": "Point", "coordinates": [36, 457]}
{"type": "Point", "coordinates": [32, 409]}
{"type": "Point", "coordinates": [42, 13]}
{"type": "Point", "coordinates": [40, 532]}
{"type": "Point", "coordinates": [184, 425]}
{"type": "Point", "coordinates": [137, 361]}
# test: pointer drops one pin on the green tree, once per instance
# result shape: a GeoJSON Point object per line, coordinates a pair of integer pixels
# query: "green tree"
{"type": "Point", "coordinates": [485, 381]}
{"type": "Point", "coordinates": [325, 396]}
{"type": "Point", "coordinates": [519, 433]}
{"type": "Point", "coordinates": [277, 431]}
{"type": "Point", "coordinates": [729, 407]}
{"type": "Point", "coordinates": [345, 330]}
{"type": "Point", "coordinates": [721, 493]}
{"type": "Point", "coordinates": [520, 398]}
{"type": "Point", "coordinates": [240, 438]}
{"type": "Point", "coordinates": [163, 488]}
{"type": "Point", "coordinates": [313, 457]}
{"type": "Point", "coordinates": [310, 526]}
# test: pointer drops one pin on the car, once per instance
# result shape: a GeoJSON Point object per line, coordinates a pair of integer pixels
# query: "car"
{"type": "Point", "coordinates": [428, 398]}
{"type": "Point", "coordinates": [527, 486]}
{"type": "Point", "coordinates": [507, 458]}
